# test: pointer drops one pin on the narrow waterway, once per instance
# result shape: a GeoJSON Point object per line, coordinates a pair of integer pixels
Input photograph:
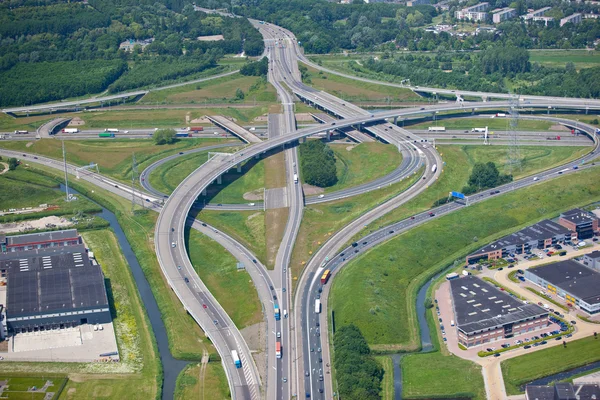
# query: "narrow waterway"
{"type": "Point", "coordinates": [562, 375]}
{"type": "Point", "coordinates": [171, 366]}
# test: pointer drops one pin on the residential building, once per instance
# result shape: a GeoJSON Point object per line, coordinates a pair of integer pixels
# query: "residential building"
{"type": "Point", "coordinates": [570, 280]}
{"type": "Point", "coordinates": [503, 14]}
{"type": "Point", "coordinates": [485, 314]}
{"type": "Point", "coordinates": [573, 19]}
{"type": "Point", "coordinates": [583, 222]}
{"type": "Point", "coordinates": [542, 235]}
{"type": "Point", "coordinates": [478, 12]}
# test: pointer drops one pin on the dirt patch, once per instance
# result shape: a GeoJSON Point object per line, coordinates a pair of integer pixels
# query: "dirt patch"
{"type": "Point", "coordinates": [275, 220]}
{"type": "Point", "coordinates": [42, 223]}
{"type": "Point", "coordinates": [275, 171]}
{"type": "Point", "coordinates": [254, 195]}
{"type": "Point", "coordinates": [262, 118]}
{"type": "Point", "coordinates": [201, 120]}
{"type": "Point", "coordinates": [4, 168]}
{"type": "Point", "coordinates": [350, 148]}
{"type": "Point", "coordinates": [255, 337]}
{"type": "Point", "coordinates": [558, 127]}
{"type": "Point", "coordinates": [76, 122]}
{"type": "Point", "coordinates": [29, 144]}
{"type": "Point", "coordinates": [304, 117]}
{"type": "Point", "coordinates": [310, 190]}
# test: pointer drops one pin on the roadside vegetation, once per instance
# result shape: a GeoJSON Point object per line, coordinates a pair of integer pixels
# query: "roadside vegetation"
{"type": "Point", "coordinates": [317, 163]}
{"type": "Point", "coordinates": [378, 289]}
{"type": "Point", "coordinates": [520, 370]}
{"type": "Point", "coordinates": [199, 382]}
{"type": "Point", "coordinates": [218, 270]}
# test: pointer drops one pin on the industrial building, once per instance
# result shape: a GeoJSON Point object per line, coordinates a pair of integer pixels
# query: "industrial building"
{"type": "Point", "coordinates": [572, 19]}
{"type": "Point", "coordinates": [503, 14]}
{"type": "Point", "coordinates": [592, 260]}
{"type": "Point", "coordinates": [570, 280]}
{"type": "Point", "coordinates": [51, 283]}
{"type": "Point", "coordinates": [542, 235]}
{"type": "Point", "coordinates": [583, 222]}
{"type": "Point", "coordinates": [485, 314]}
{"type": "Point", "coordinates": [478, 12]}
{"type": "Point", "coordinates": [563, 391]}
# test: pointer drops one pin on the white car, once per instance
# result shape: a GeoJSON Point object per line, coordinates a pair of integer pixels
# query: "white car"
{"type": "Point", "coordinates": [321, 196]}
{"type": "Point", "coordinates": [251, 204]}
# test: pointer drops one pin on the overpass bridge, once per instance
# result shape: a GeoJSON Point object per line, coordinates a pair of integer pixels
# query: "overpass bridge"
{"type": "Point", "coordinates": [354, 134]}
{"type": "Point", "coordinates": [234, 129]}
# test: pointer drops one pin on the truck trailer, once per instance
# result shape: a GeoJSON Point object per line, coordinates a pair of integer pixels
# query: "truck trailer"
{"type": "Point", "coordinates": [437, 129]}
{"type": "Point", "coordinates": [195, 129]}
{"type": "Point", "coordinates": [236, 359]}
{"type": "Point", "coordinates": [317, 306]}
{"type": "Point", "coordinates": [325, 276]}
{"type": "Point", "coordinates": [277, 314]}
{"type": "Point", "coordinates": [70, 130]}
{"type": "Point", "coordinates": [278, 349]}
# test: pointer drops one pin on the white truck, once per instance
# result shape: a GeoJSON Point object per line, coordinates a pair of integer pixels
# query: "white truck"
{"type": "Point", "coordinates": [437, 129]}
{"type": "Point", "coordinates": [317, 306]}
{"type": "Point", "coordinates": [295, 178]}
{"type": "Point", "coordinates": [70, 130]}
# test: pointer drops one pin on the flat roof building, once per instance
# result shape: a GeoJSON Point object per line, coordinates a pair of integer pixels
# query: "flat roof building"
{"type": "Point", "coordinates": [592, 260]}
{"type": "Point", "coordinates": [574, 282]}
{"type": "Point", "coordinates": [485, 314]}
{"type": "Point", "coordinates": [11, 244]}
{"type": "Point", "coordinates": [573, 19]}
{"type": "Point", "coordinates": [542, 235]}
{"type": "Point", "coordinates": [503, 14]}
{"type": "Point", "coordinates": [563, 391]}
{"type": "Point", "coordinates": [52, 287]}
{"type": "Point", "coordinates": [583, 222]}
{"type": "Point", "coordinates": [478, 12]}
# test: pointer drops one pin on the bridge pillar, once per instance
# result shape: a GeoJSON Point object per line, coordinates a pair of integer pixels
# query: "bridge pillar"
{"type": "Point", "coordinates": [328, 136]}
{"type": "Point", "coordinates": [303, 140]}
{"type": "Point", "coordinates": [204, 192]}
{"type": "Point", "coordinates": [239, 168]}
{"type": "Point", "coordinates": [396, 120]}
{"type": "Point", "coordinates": [433, 115]}
{"type": "Point", "coordinates": [219, 180]}
{"type": "Point", "coordinates": [484, 98]}
{"type": "Point", "coordinates": [472, 111]}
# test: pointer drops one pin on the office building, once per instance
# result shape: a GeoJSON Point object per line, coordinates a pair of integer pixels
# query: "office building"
{"type": "Point", "coordinates": [583, 222]}
{"type": "Point", "coordinates": [485, 314]}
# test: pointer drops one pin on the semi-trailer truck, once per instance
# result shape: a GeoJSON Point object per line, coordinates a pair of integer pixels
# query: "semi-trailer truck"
{"type": "Point", "coordinates": [277, 314]}
{"type": "Point", "coordinates": [325, 276]}
{"type": "Point", "coordinates": [106, 134]}
{"type": "Point", "coordinates": [196, 128]}
{"type": "Point", "coordinates": [478, 129]}
{"type": "Point", "coordinates": [21, 132]}
{"type": "Point", "coordinates": [70, 130]}
{"type": "Point", "coordinates": [278, 349]}
{"type": "Point", "coordinates": [437, 129]}
{"type": "Point", "coordinates": [183, 134]}
{"type": "Point", "coordinates": [113, 130]}
{"type": "Point", "coordinates": [236, 359]}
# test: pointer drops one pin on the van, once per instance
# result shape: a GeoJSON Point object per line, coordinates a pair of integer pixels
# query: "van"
{"type": "Point", "coordinates": [173, 244]}
{"type": "Point", "coordinates": [451, 322]}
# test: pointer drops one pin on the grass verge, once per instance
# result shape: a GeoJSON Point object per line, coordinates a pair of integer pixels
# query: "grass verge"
{"type": "Point", "coordinates": [387, 384]}
{"type": "Point", "coordinates": [549, 299]}
{"type": "Point", "coordinates": [378, 289]}
{"type": "Point", "coordinates": [210, 384]}
{"type": "Point", "coordinates": [520, 370]}
{"type": "Point", "coordinates": [218, 270]}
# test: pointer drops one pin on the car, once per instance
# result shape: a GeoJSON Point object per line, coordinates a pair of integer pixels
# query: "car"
{"type": "Point", "coordinates": [321, 378]}
{"type": "Point", "coordinates": [569, 335]}
{"type": "Point", "coordinates": [319, 349]}
{"type": "Point", "coordinates": [489, 350]}
{"type": "Point", "coordinates": [271, 287]}
{"type": "Point", "coordinates": [320, 360]}
{"type": "Point", "coordinates": [560, 172]}
{"type": "Point", "coordinates": [333, 123]}
{"type": "Point", "coordinates": [440, 319]}
{"type": "Point", "coordinates": [306, 373]}
{"type": "Point", "coordinates": [511, 266]}
{"type": "Point", "coordinates": [574, 322]}
{"type": "Point", "coordinates": [283, 289]}
{"type": "Point", "coordinates": [321, 196]}
{"type": "Point", "coordinates": [556, 313]}
{"type": "Point", "coordinates": [181, 152]}
{"type": "Point", "coordinates": [445, 339]}
{"type": "Point", "coordinates": [24, 155]}
{"type": "Point", "coordinates": [413, 217]}
{"type": "Point", "coordinates": [527, 347]}
{"type": "Point", "coordinates": [312, 350]}
{"type": "Point", "coordinates": [422, 108]}
{"type": "Point", "coordinates": [203, 224]}
{"type": "Point", "coordinates": [365, 242]}
{"type": "Point", "coordinates": [505, 346]}
{"type": "Point", "coordinates": [354, 244]}
{"type": "Point", "coordinates": [431, 214]}
{"type": "Point", "coordinates": [558, 338]}
{"type": "Point", "coordinates": [204, 306]}
{"type": "Point", "coordinates": [219, 205]}
{"type": "Point", "coordinates": [186, 280]}
{"type": "Point", "coordinates": [278, 335]}
{"type": "Point", "coordinates": [284, 379]}
{"type": "Point", "coordinates": [500, 269]}
{"type": "Point", "coordinates": [496, 354]}
{"type": "Point", "coordinates": [179, 267]}
{"type": "Point", "coordinates": [317, 324]}
{"type": "Point", "coordinates": [173, 244]}
{"type": "Point", "coordinates": [35, 158]}
{"type": "Point", "coordinates": [544, 342]}
{"type": "Point", "coordinates": [274, 297]}
{"type": "Point", "coordinates": [391, 232]}
{"type": "Point", "coordinates": [254, 261]}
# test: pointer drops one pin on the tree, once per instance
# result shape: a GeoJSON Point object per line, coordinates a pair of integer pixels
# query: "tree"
{"type": "Point", "coordinates": [256, 68]}
{"type": "Point", "coordinates": [12, 164]}
{"type": "Point", "coordinates": [239, 94]}
{"type": "Point", "coordinates": [485, 176]}
{"type": "Point", "coordinates": [164, 136]}
{"type": "Point", "coordinates": [317, 163]}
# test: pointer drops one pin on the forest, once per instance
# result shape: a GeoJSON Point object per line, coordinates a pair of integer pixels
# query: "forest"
{"type": "Point", "coordinates": [64, 40]}
{"type": "Point", "coordinates": [317, 163]}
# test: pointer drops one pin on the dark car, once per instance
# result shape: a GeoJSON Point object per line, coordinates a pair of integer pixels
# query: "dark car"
{"type": "Point", "coordinates": [574, 322]}
{"type": "Point", "coordinates": [496, 354]}
{"type": "Point", "coordinates": [186, 280]}
{"type": "Point", "coordinates": [181, 152]}
{"type": "Point", "coordinates": [274, 297]}
{"type": "Point", "coordinates": [544, 342]}
{"type": "Point", "coordinates": [511, 266]}
{"type": "Point", "coordinates": [254, 261]}
{"type": "Point", "coordinates": [431, 214]}
{"type": "Point", "coordinates": [271, 287]}
{"type": "Point", "coordinates": [500, 269]}
{"type": "Point", "coordinates": [354, 244]}
{"type": "Point", "coordinates": [558, 338]}
{"type": "Point", "coordinates": [391, 232]}
{"type": "Point", "coordinates": [527, 347]}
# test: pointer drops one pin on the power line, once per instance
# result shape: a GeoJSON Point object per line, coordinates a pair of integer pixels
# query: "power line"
{"type": "Point", "coordinates": [513, 159]}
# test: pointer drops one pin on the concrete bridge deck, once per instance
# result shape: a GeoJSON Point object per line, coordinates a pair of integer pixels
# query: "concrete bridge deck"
{"type": "Point", "coordinates": [234, 128]}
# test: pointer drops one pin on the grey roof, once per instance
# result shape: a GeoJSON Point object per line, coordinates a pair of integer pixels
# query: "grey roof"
{"type": "Point", "coordinates": [578, 216]}
{"type": "Point", "coordinates": [539, 392]}
{"type": "Point", "coordinates": [594, 254]}
{"type": "Point", "coordinates": [479, 305]}
{"type": "Point", "coordinates": [572, 277]}
{"type": "Point", "coordinates": [41, 237]}
{"type": "Point", "coordinates": [564, 391]}
{"type": "Point", "coordinates": [545, 229]}
{"type": "Point", "coordinates": [52, 283]}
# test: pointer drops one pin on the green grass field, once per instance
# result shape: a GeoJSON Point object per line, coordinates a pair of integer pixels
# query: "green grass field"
{"type": "Point", "coordinates": [320, 221]}
{"type": "Point", "coordinates": [18, 387]}
{"type": "Point", "coordinates": [500, 124]}
{"type": "Point", "coordinates": [113, 156]}
{"type": "Point", "coordinates": [357, 91]}
{"type": "Point", "coordinates": [235, 185]}
{"type": "Point", "coordinates": [459, 161]}
{"type": "Point", "coordinates": [212, 384]}
{"type": "Point", "coordinates": [432, 375]}
{"type": "Point", "coordinates": [363, 163]}
{"type": "Point", "coordinates": [559, 58]}
{"type": "Point", "coordinates": [387, 384]}
{"type": "Point", "coordinates": [221, 90]}
{"type": "Point", "coordinates": [248, 227]}
{"type": "Point", "coordinates": [218, 270]}
{"type": "Point", "coordinates": [170, 174]}
{"type": "Point", "coordinates": [378, 289]}
{"type": "Point", "coordinates": [526, 368]}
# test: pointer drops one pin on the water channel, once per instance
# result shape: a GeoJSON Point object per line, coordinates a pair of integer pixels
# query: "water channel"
{"type": "Point", "coordinates": [561, 376]}
{"type": "Point", "coordinates": [171, 367]}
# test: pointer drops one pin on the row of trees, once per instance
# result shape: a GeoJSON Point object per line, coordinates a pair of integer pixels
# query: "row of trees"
{"type": "Point", "coordinates": [359, 375]}
{"type": "Point", "coordinates": [317, 163]}
{"type": "Point", "coordinates": [256, 68]}
{"type": "Point", "coordinates": [485, 176]}
{"type": "Point", "coordinates": [164, 136]}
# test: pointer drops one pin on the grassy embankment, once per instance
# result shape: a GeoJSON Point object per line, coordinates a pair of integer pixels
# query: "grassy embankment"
{"type": "Point", "coordinates": [357, 91]}
{"type": "Point", "coordinates": [528, 367]}
{"type": "Point", "coordinates": [387, 384]}
{"type": "Point", "coordinates": [113, 156]}
{"type": "Point", "coordinates": [138, 374]}
{"type": "Point", "coordinates": [378, 289]}
{"type": "Point", "coordinates": [195, 383]}
{"type": "Point", "coordinates": [218, 270]}
{"type": "Point", "coordinates": [459, 161]}
{"type": "Point", "coordinates": [215, 91]}
{"type": "Point", "coordinates": [132, 119]}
